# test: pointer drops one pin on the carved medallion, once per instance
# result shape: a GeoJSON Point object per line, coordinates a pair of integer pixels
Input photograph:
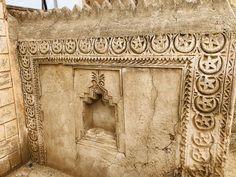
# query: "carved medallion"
{"type": "Point", "coordinates": [118, 45]}
{"type": "Point", "coordinates": [210, 64]}
{"type": "Point", "coordinates": [26, 74]}
{"type": "Point", "coordinates": [101, 45]}
{"type": "Point", "coordinates": [204, 122]}
{"type": "Point", "coordinates": [203, 139]}
{"type": "Point", "coordinates": [85, 45]}
{"type": "Point", "coordinates": [205, 104]}
{"type": "Point", "coordinates": [212, 43]}
{"type": "Point", "coordinates": [27, 86]}
{"type": "Point", "coordinates": [29, 99]}
{"type": "Point", "coordinates": [33, 47]}
{"type": "Point", "coordinates": [30, 111]}
{"type": "Point", "coordinates": [25, 62]}
{"type": "Point", "coordinates": [185, 42]}
{"type": "Point", "coordinates": [201, 155]}
{"type": "Point", "coordinates": [208, 85]}
{"type": "Point", "coordinates": [138, 44]}
{"type": "Point", "coordinates": [160, 43]}
{"type": "Point", "coordinates": [44, 47]}
{"type": "Point", "coordinates": [57, 46]}
{"type": "Point", "coordinates": [22, 47]}
{"type": "Point", "coordinates": [70, 46]}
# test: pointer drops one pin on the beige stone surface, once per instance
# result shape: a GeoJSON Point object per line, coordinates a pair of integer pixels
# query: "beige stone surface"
{"type": "Point", "coordinates": [5, 165]}
{"type": "Point", "coordinates": [2, 133]}
{"type": "Point", "coordinates": [35, 170]}
{"type": "Point", "coordinates": [7, 113]}
{"type": "Point", "coordinates": [5, 80]}
{"type": "Point", "coordinates": [4, 63]}
{"type": "Point", "coordinates": [150, 124]}
{"type": "Point", "coordinates": [11, 128]}
{"type": "Point", "coordinates": [3, 45]}
{"type": "Point", "coordinates": [2, 27]}
{"type": "Point", "coordinates": [6, 97]}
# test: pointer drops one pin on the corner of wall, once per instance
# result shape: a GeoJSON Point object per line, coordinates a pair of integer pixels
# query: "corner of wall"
{"type": "Point", "coordinates": [13, 148]}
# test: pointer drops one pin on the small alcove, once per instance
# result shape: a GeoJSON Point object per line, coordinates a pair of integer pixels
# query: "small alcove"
{"type": "Point", "coordinates": [99, 116]}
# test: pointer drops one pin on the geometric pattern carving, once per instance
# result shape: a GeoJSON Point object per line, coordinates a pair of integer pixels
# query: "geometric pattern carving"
{"type": "Point", "coordinates": [206, 60]}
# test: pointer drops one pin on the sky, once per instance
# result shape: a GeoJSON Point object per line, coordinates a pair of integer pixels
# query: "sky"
{"type": "Point", "coordinates": [37, 3]}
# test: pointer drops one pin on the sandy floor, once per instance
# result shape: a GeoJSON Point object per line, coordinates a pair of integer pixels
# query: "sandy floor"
{"type": "Point", "coordinates": [34, 170]}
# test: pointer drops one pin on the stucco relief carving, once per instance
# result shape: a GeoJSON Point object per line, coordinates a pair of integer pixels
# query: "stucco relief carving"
{"type": "Point", "coordinates": [207, 61]}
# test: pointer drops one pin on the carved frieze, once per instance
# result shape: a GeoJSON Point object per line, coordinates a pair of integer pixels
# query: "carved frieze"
{"type": "Point", "coordinates": [207, 62]}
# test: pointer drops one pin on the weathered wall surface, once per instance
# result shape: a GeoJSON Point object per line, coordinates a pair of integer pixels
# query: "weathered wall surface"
{"type": "Point", "coordinates": [12, 149]}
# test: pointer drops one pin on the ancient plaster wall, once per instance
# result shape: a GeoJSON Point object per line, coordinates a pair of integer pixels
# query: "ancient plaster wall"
{"type": "Point", "coordinates": [12, 145]}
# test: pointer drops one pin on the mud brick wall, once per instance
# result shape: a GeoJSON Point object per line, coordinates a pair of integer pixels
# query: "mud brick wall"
{"type": "Point", "coordinates": [10, 153]}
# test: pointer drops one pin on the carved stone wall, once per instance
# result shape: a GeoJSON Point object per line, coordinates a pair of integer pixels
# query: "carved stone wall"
{"type": "Point", "coordinates": [11, 137]}
{"type": "Point", "coordinates": [172, 92]}
{"type": "Point", "coordinates": [207, 62]}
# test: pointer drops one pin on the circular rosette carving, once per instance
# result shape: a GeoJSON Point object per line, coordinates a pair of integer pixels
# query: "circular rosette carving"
{"type": "Point", "coordinates": [205, 104]}
{"type": "Point", "coordinates": [22, 48]}
{"type": "Point", "coordinates": [210, 64]}
{"type": "Point", "coordinates": [26, 74]}
{"type": "Point", "coordinates": [185, 42]}
{"type": "Point", "coordinates": [118, 45]}
{"type": "Point", "coordinates": [70, 46]}
{"type": "Point", "coordinates": [203, 139]}
{"type": "Point", "coordinates": [44, 47]}
{"type": "Point", "coordinates": [33, 135]}
{"type": "Point", "coordinates": [33, 47]}
{"type": "Point", "coordinates": [27, 86]}
{"type": "Point", "coordinates": [208, 85]}
{"type": "Point", "coordinates": [85, 46]}
{"type": "Point", "coordinates": [204, 122]}
{"type": "Point", "coordinates": [30, 111]}
{"type": "Point", "coordinates": [25, 62]}
{"type": "Point", "coordinates": [101, 45]}
{"type": "Point", "coordinates": [212, 43]}
{"type": "Point", "coordinates": [160, 43]}
{"type": "Point", "coordinates": [57, 46]}
{"type": "Point", "coordinates": [138, 44]}
{"type": "Point", "coordinates": [201, 155]}
{"type": "Point", "coordinates": [29, 99]}
{"type": "Point", "coordinates": [31, 124]}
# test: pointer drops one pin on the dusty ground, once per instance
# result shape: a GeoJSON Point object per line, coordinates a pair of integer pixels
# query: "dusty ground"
{"type": "Point", "coordinates": [34, 170]}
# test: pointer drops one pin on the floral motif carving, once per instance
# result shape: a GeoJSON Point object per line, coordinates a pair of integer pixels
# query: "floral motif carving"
{"type": "Point", "coordinates": [201, 155]}
{"type": "Point", "coordinates": [160, 43]}
{"type": "Point", "coordinates": [138, 44]}
{"type": "Point", "coordinates": [101, 45]}
{"type": "Point", "coordinates": [213, 43]}
{"type": "Point", "coordinates": [22, 48]}
{"type": "Point", "coordinates": [185, 42]}
{"type": "Point", "coordinates": [70, 46]}
{"type": "Point", "coordinates": [44, 47]}
{"type": "Point", "coordinates": [57, 46]}
{"type": "Point", "coordinates": [208, 85]}
{"type": "Point", "coordinates": [33, 47]}
{"type": "Point", "coordinates": [118, 45]}
{"type": "Point", "coordinates": [85, 46]}
{"type": "Point", "coordinates": [210, 64]}
{"type": "Point", "coordinates": [203, 139]}
{"type": "Point", "coordinates": [205, 104]}
{"type": "Point", "coordinates": [204, 122]}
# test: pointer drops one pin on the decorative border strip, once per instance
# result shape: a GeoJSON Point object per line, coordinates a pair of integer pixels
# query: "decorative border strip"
{"type": "Point", "coordinates": [206, 60]}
